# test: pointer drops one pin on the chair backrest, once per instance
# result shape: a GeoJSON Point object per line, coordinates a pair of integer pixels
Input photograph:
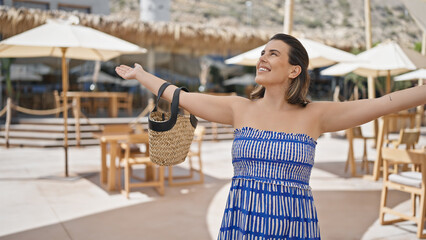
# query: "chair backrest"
{"type": "Point", "coordinates": [126, 100]}
{"type": "Point", "coordinates": [409, 137]}
{"type": "Point", "coordinates": [117, 128]}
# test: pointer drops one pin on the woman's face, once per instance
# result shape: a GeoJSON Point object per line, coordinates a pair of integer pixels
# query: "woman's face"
{"type": "Point", "coordinates": [272, 66]}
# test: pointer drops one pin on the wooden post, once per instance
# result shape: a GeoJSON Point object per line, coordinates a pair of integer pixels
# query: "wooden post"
{"type": "Point", "coordinates": [76, 106]}
{"type": "Point", "coordinates": [65, 105]}
{"type": "Point", "coordinates": [288, 16]}
{"type": "Point", "coordinates": [368, 45]}
{"type": "Point", "coordinates": [150, 66]}
{"type": "Point", "coordinates": [371, 87]}
{"type": "Point", "coordinates": [367, 16]}
{"type": "Point", "coordinates": [8, 120]}
{"type": "Point", "coordinates": [388, 82]}
{"type": "Point", "coordinates": [420, 109]}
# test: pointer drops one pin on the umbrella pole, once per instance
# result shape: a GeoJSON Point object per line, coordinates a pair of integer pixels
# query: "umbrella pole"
{"type": "Point", "coordinates": [388, 83]}
{"type": "Point", "coordinates": [288, 16]}
{"type": "Point", "coordinates": [65, 106]}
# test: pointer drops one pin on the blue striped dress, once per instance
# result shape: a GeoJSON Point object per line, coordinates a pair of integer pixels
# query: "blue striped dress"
{"type": "Point", "coordinates": [270, 197]}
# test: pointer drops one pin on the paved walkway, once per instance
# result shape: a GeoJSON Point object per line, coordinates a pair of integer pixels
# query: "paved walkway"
{"type": "Point", "coordinates": [37, 202]}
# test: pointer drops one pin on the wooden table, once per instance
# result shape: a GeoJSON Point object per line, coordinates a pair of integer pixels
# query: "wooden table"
{"type": "Point", "coordinates": [112, 140]}
{"type": "Point", "coordinates": [113, 96]}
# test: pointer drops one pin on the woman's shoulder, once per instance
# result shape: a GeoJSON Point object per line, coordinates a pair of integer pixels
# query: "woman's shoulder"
{"type": "Point", "coordinates": [318, 107]}
{"type": "Point", "coordinates": [319, 104]}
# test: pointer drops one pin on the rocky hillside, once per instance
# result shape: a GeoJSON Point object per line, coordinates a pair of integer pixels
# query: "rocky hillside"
{"type": "Point", "coordinates": [335, 22]}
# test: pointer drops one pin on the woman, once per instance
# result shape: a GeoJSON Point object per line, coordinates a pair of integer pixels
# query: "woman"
{"type": "Point", "coordinates": [275, 139]}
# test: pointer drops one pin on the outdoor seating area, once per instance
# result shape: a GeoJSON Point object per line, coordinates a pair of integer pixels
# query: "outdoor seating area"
{"type": "Point", "coordinates": [90, 205]}
{"type": "Point", "coordinates": [123, 147]}
{"type": "Point", "coordinates": [262, 134]}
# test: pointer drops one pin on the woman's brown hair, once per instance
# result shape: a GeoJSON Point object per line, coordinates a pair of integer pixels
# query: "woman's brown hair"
{"type": "Point", "coordinates": [299, 86]}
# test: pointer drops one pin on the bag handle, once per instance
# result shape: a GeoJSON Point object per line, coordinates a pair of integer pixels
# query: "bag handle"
{"type": "Point", "coordinates": [175, 108]}
{"type": "Point", "coordinates": [167, 125]}
{"type": "Point", "coordinates": [160, 92]}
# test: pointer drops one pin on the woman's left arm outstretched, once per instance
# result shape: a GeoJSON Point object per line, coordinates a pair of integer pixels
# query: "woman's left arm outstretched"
{"type": "Point", "coordinates": [335, 116]}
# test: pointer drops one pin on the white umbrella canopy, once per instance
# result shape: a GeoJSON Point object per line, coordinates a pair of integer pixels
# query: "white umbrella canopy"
{"type": "Point", "coordinates": [382, 60]}
{"type": "Point", "coordinates": [130, 83]}
{"type": "Point", "coordinates": [320, 55]}
{"type": "Point", "coordinates": [81, 43]}
{"type": "Point", "coordinates": [246, 79]}
{"type": "Point", "coordinates": [23, 76]}
{"type": "Point", "coordinates": [27, 72]}
{"type": "Point", "coordinates": [65, 39]}
{"type": "Point", "coordinates": [102, 78]}
{"type": "Point", "coordinates": [248, 58]}
{"type": "Point", "coordinates": [418, 74]}
{"type": "Point", "coordinates": [385, 59]}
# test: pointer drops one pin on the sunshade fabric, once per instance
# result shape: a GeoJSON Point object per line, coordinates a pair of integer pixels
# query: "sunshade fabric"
{"type": "Point", "coordinates": [386, 58]}
{"type": "Point", "coordinates": [320, 55]}
{"type": "Point", "coordinates": [82, 43]}
{"type": "Point", "coordinates": [418, 74]}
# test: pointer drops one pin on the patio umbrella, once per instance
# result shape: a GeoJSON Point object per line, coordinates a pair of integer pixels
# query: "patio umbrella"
{"type": "Point", "coordinates": [66, 40]}
{"type": "Point", "coordinates": [418, 74]}
{"type": "Point", "coordinates": [24, 77]}
{"type": "Point", "coordinates": [101, 78]}
{"type": "Point", "coordinates": [130, 83]}
{"type": "Point", "coordinates": [246, 79]}
{"type": "Point", "coordinates": [385, 59]}
{"type": "Point", "coordinates": [320, 55]}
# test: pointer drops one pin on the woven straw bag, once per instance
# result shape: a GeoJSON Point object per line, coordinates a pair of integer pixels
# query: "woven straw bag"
{"type": "Point", "coordinates": [170, 133]}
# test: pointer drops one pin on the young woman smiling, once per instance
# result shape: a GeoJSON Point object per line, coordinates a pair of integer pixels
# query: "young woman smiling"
{"type": "Point", "coordinates": [275, 138]}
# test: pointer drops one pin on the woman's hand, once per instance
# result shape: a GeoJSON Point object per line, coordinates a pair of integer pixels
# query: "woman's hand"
{"type": "Point", "coordinates": [127, 72]}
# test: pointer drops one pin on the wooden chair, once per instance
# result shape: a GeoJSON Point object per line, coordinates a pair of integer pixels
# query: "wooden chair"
{"type": "Point", "coordinates": [411, 182]}
{"type": "Point", "coordinates": [99, 103]}
{"type": "Point", "coordinates": [408, 137]}
{"type": "Point", "coordinates": [126, 103]}
{"type": "Point", "coordinates": [193, 152]}
{"type": "Point", "coordinates": [351, 134]}
{"type": "Point", "coordinates": [138, 157]}
{"type": "Point", "coordinates": [117, 129]}
{"type": "Point", "coordinates": [113, 129]}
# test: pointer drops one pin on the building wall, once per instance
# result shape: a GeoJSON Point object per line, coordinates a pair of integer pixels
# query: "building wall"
{"type": "Point", "coordinates": [88, 6]}
{"type": "Point", "coordinates": [155, 10]}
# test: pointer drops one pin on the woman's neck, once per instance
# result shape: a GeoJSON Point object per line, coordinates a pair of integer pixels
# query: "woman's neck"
{"type": "Point", "coordinates": [275, 98]}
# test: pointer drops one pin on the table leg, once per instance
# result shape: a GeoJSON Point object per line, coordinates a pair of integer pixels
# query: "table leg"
{"type": "Point", "coordinates": [112, 168]}
{"type": "Point", "coordinates": [103, 163]}
{"type": "Point", "coordinates": [114, 106]}
{"type": "Point", "coordinates": [380, 139]}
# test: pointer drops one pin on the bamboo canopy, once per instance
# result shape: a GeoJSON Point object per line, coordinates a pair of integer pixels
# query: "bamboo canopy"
{"type": "Point", "coordinates": [184, 38]}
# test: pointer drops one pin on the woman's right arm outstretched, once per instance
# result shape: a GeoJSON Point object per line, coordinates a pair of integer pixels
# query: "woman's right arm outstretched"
{"type": "Point", "coordinates": [212, 108]}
